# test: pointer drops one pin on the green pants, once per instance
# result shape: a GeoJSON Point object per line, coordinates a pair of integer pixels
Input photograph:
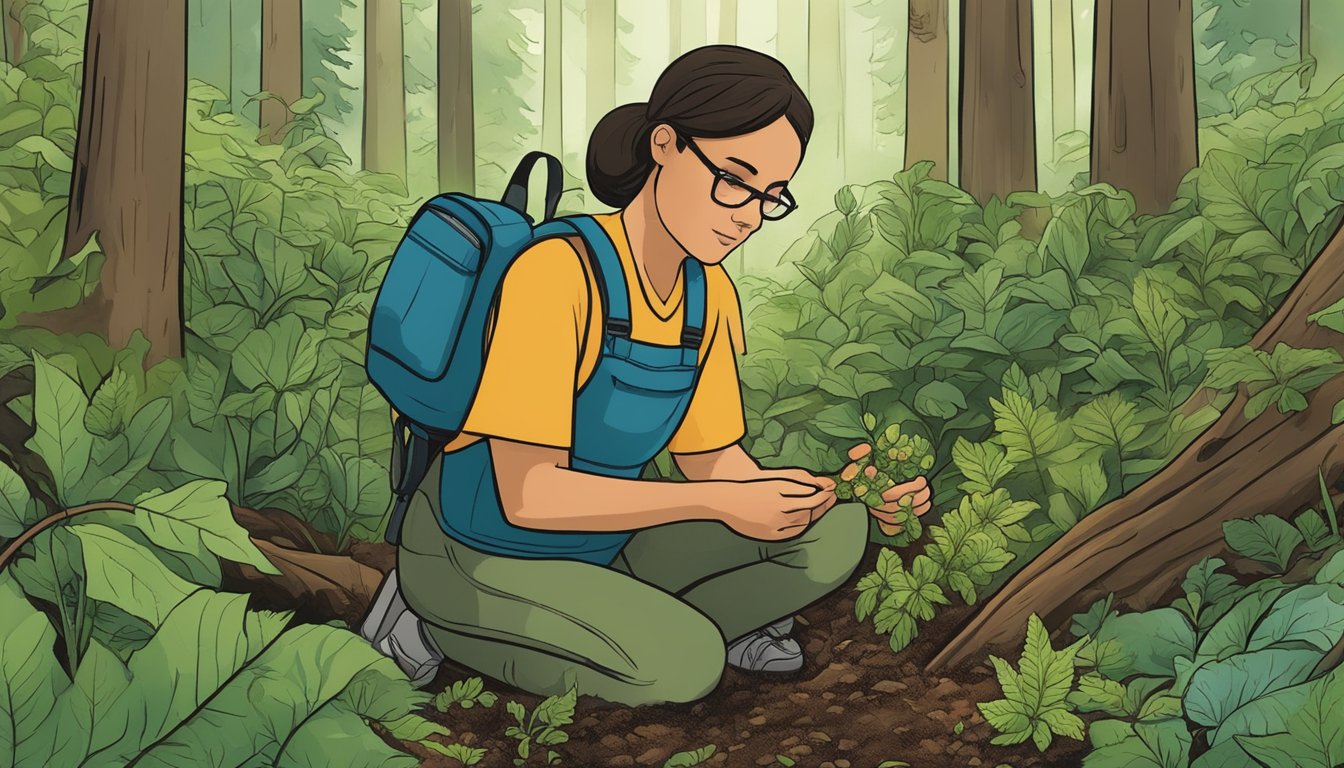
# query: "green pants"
{"type": "Point", "coordinates": [651, 628]}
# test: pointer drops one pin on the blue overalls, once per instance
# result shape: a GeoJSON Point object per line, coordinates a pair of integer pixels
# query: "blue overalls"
{"type": "Point", "coordinates": [624, 415]}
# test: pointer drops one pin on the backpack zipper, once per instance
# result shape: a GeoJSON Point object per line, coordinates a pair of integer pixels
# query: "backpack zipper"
{"type": "Point", "coordinates": [461, 228]}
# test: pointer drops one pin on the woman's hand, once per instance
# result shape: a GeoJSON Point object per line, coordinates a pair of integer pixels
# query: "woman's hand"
{"type": "Point", "coordinates": [800, 475]}
{"type": "Point", "coordinates": [919, 490]}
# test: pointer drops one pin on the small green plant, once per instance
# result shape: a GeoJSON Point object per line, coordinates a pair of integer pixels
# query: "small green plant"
{"type": "Point", "coordinates": [898, 458]}
{"type": "Point", "coordinates": [465, 693]}
{"type": "Point", "coordinates": [543, 727]}
{"type": "Point", "coordinates": [689, 759]}
{"type": "Point", "coordinates": [463, 754]}
{"type": "Point", "coordinates": [1034, 704]}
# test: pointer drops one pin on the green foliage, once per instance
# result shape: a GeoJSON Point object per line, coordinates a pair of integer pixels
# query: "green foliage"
{"type": "Point", "coordinates": [543, 728]}
{"type": "Point", "coordinates": [465, 693]}
{"type": "Point", "coordinates": [1034, 705]}
{"type": "Point", "coordinates": [1285, 376]}
{"type": "Point", "coordinates": [691, 758]}
{"type": "Point", "coordinates": [1267, 538]}
{"type": "Point", "coordinates": [1119, 744]}
{"type": "Point", "coordinates": [259, 690]}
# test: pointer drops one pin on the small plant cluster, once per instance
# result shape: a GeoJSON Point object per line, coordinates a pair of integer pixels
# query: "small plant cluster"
{"type": "Point", "coordinates": [1242, 675]}
{"type": "Point", "coordinates": [899, 458]}
{"type": "Point", "coordinates": [543, 727]}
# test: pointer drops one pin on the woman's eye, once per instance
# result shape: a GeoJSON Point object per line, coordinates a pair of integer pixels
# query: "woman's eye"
{"type": "Point", "coordinates": [735, 182]}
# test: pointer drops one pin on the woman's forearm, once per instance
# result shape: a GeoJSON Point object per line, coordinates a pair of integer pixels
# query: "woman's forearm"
{"type": "Point", "coordinates": [562, 499]}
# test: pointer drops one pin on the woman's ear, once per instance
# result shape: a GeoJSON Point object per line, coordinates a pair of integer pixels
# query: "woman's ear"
{"type": "Point", "coordinates": [662, 143]}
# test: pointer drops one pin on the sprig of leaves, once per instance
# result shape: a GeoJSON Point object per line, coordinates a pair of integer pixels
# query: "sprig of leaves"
{"type": "Point", "coordinates": [1035, 704]}
{"type": "Point", "coordinates": [543, 728]}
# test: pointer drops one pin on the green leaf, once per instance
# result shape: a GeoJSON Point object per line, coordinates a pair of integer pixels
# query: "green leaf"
{"type": "Point", "coordinates": [983, 464]}
{"type": "Point", "coordinates": [1311, 614]}
{"type": "Point", "coordinates": [1314, 735]}
{"type": "Point", "coordinates": [1148, 642]}
{"type": "Point", "coordinates": [1097, 694]}
{"type": "Point", "coordinates": [107, 410]}
{"type": "Point", "coordinates": [60, 438]}
{"type": "Point", "coordinates": [1164, 744]}
{"type": "Point", "coordinates": [30, 679]}
{"type": "Point", "coordinates": [1025, 430]}
{"type": "Point", "coordinates": [1332, 571]}
{"type": "Point", "coordinates": [1221, 687]}
{"type": "Point", "coordinates": [17, 510]}
{"type": "Point", "coordinates": [1267, 538]}
{"type": "Point", "coordinates": [1315, 532]}
{"type": "Point", "coordinates": [122, 572]}
{"type": "Point", "coordinates": [940, 399]}
{"type": "Point", "coordinates": [198, 515]}
{"type": "Point", "coordinates": [1331, 317]}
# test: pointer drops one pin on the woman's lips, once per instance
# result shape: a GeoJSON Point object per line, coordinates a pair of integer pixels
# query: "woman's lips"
{"type": "Point", "coordinates": [724, 239]}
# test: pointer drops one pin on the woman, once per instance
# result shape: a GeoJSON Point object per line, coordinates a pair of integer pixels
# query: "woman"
{"type": "Point", "coordinates": [538, 557]}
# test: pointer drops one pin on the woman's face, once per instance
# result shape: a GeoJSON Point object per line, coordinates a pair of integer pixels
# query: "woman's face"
{"type": "Point", "coordinates": [764, 160]}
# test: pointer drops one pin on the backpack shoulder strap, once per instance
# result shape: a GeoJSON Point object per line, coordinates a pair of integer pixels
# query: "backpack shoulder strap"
{"type": "Point", "coordinates": [601, 254]}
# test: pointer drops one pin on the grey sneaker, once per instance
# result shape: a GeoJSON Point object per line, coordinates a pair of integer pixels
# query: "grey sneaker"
{"type": "Point", "coordinates": [781, 628]}
{"type": "Point", "coordinates": [392, 628]}
{"type": "Point", "coordinates": [759, 651]}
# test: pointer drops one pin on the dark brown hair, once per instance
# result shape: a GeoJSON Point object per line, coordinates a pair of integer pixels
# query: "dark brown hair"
{"type": "Point", "coordinates": [710, 92]}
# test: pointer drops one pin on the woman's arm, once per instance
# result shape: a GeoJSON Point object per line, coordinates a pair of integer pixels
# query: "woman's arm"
{"type": "Point", "coordinates": [730, 463]}
{"type": "Point", "coordinates": [537, 489]}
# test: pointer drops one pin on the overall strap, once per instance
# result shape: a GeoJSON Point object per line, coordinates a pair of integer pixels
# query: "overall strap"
{"type": "Point", "coordinates": [693, 323]}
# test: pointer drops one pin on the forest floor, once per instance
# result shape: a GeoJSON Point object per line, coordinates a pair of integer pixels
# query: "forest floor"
{"type": "Point", "coordinates": [854, 704]}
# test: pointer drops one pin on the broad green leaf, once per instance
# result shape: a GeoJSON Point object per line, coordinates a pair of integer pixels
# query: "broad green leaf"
{"type": "Point", "coordinates": [1028, 432]}
{"type": "Point", "coordinates": [122, 572]}
{"type": "Point", "coordinates": [91, 713]}
{"type": "Point", "coordinates": [1314, 736]}
{"type": "Point", "coordinates": [195, 515]}
{"type": "Point", "coordinates": [1164, 744]}
{"type": "Point", "coordinates": [983, 463]}
{"type": "Point", "coordinates": [335, 734]}
{"type": "Point", "coordinates": [1149, 641]}
{"type": "Point", "coordinates": [940, 399]}
{"type": "Point", "coordinates": [17, 510]}
{"type": "Point", "coordinates": [60, 438]}
{"type": "Point", "coordinates": [1221, 687]}
{"type": "Point", "coordinates": [1267, 538]}
{"type": "Point", "coordinates": [1312, 614]}
{"type": "Point", "coordinates": [1315, 532]}
{"type": "Point", "coordinates": [1097, 694]}
{"type": "Point", "coordinates": [30, 679]}
{"type": "Point", "coordinates": [1332, 571]}
{"type": "Point", "coordinates": [107, 410]}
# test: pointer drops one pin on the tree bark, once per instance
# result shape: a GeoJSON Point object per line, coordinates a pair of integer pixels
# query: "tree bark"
{"type": "Point", "coordinates": [1061, 66]}
{"type": "Point", "coordinates": [210, 43]}
{"type": "Point", "coordinates": [693, 24]}
{"type": "Point", "coordinates": [601, 31]}
{"type": "Point", "coordinates": [728, 22]}
{"type": "Point", "coordinates": [126, 183]}
{"type": "Point", "coordinates": [384, 146]}
{"type": "Point", "coordinates": [1139, 546]}
{"type": "Point", "coordinates": [1304, 30]}
{"type": "Point", "coordinates": [457, 129]}
{"type": "Point", "coordinates": [998, 124]}
{"type": "Point", "coordinates": [926, 87]}
{"type": "Point", "coordinates": [1143, 105]}
{"type": "Point", "coordinates": [281, 65]}
{"type": "Point", "coordinates": [13, 27]}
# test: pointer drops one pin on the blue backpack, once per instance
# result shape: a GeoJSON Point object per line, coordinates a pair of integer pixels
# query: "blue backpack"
{"type": "Point", "coordinates": [426, 345]}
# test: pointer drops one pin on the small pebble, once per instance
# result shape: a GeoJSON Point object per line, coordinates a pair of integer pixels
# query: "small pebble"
{"type": "Point", "coordinates": [622, 761]}
{"type": "Point", "coordinates": [835, 709]}
{"type": "Point", "coordinates": [757, 720]}
{"type": "Point", "coordinates": [842, 763]}
{"type": "Point", "coordinates": [848, 744]}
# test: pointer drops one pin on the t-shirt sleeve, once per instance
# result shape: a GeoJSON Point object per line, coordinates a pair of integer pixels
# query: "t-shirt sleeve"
{"type": "Point", "coordinates": [531, 367]}
{"type": "Point", "coordinates": [714, 418]}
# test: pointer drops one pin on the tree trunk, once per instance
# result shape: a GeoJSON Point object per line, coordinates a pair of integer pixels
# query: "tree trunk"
{"type": "Point", "coordinates": [1139, 546]}
{"type": "Point", "coordinates": [728, 22]}
{"type": "Point", "coordinates": [693, 24]}
{"type": "Point", "coordinates": [791, 38]}
{"type": "Point", "coordinates": [926, 87]}
{"type": "Point", "coordinates": [1305, 32]}
{"type": "Point", "coordinates": [998, 124]}
{"type": "Point", "coordinates": [126, 182]}
{"type": "Point", "coordinates": [601, 30]}
{"type": "Point", "coordinates": [553, 80]}
{"type": "Point", "coordinates": [245, 72]}
{"type": "Point", "coordinates": [281, 65]}
{"type": "Point", "coordinates": [13, 27]}
{"type": "Point", "coordinates": [1143, 104]}
{"type": "Point", "coordinates": [457, 129]}
{"type": "Point", "coordinates": [1061, 66]}
{"type": "Point", "coordinates": [384, 89]}
{"type": "Point", "coordinates": [674, 14]}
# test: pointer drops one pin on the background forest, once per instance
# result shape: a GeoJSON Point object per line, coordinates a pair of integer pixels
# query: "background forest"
{"type": "Point", "coordinates": [1087, 250]}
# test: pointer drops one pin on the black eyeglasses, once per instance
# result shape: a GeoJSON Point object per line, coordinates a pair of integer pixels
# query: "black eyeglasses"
{"type": "Point", "coordinates": [731, 192]}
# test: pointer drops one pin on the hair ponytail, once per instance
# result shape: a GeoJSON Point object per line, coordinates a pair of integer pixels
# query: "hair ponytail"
{"type": "Point", "coordinates": [618, 154]}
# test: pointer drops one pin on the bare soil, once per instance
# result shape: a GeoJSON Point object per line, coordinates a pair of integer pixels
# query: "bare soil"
{"type": "Point", "coordinates": [854, 704]}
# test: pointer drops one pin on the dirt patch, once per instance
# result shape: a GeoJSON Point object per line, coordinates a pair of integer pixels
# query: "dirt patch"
{"type": "Point", "coordinates": [854, 703]}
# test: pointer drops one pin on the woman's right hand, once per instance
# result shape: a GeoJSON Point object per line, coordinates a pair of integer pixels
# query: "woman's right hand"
{"type": "Point", "coordinates": [770, 509]}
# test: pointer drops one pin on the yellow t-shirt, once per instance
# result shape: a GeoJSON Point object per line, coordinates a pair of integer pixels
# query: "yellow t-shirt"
{"type": "Point", "coordinates": [540, 354]}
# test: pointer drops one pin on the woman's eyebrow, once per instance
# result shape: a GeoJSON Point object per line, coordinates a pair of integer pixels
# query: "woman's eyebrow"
{"type": "Point", "coordinates": [744, 164]}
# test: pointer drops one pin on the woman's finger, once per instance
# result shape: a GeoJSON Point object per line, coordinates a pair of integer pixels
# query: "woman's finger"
{"type": "Point", "coordinates": [917, 488]}
{"type": "Point", "coordinates": [925, 507]}
{"type": "Point", "coordinates": [882, 515]}
{"type": "Point", "coordinates": [860, 450]}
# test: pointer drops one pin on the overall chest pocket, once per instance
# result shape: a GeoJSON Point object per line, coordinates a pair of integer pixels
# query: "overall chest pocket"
{"type": "Point", "coordinates": [646, 405]}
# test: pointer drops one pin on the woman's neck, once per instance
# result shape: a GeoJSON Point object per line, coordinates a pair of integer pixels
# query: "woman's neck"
{"type": "Point", "coordinates": [655, 253]}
